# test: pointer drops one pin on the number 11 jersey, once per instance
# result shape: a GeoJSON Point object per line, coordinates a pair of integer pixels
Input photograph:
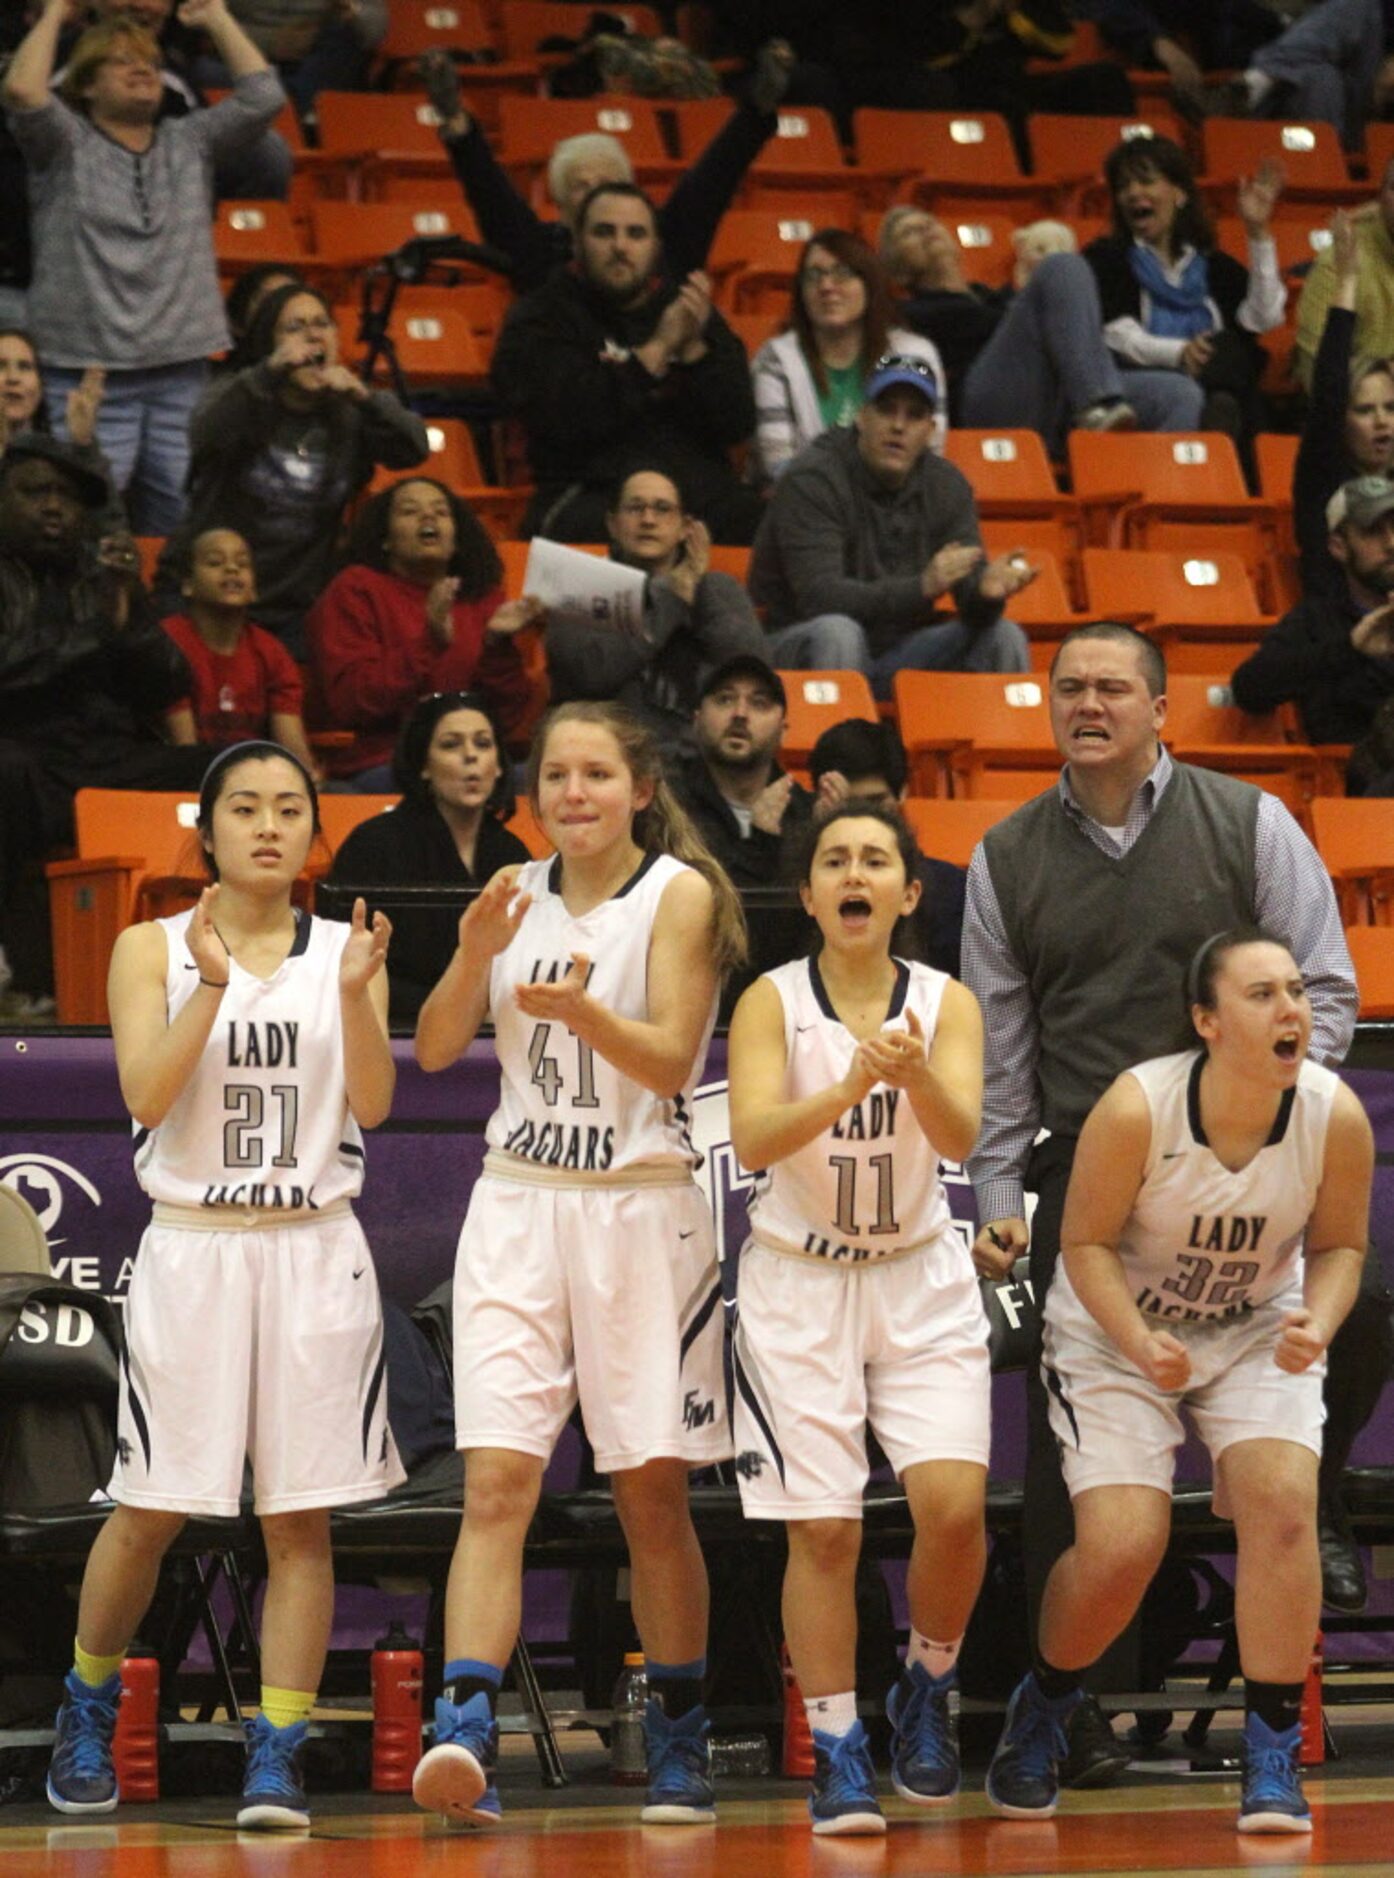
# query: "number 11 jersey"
{"type": "Point", "coordinates": [867, 1188]}
{"type": "Point", "coordinates": [562, 1106]}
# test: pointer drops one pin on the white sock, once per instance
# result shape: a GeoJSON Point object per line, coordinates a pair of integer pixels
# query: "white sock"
{"type": "Point", "coordinates": [1258, 85]}
{"type": "Point", "coordinates": [938, 1658]}
{"type": "Point", "coordinates": [832, 1714]}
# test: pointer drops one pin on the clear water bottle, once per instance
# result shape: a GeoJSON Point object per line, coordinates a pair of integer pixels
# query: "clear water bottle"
{"type": "Point", "coordinates": [629, 1760]}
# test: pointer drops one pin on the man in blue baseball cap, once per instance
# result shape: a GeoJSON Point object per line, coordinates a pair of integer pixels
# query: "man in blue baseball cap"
{"type": "Point", "coordinates": [869, 556]}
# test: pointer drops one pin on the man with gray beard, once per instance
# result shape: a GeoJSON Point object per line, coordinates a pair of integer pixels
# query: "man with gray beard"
{"type": "Point", "coordinates": [1333, 653]}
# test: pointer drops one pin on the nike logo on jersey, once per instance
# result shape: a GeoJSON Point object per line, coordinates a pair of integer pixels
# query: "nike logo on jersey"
{"type": "Point", "coordinates": [1174, 1157]}
{"type": "Point", "coordinates": [359, 1273]}
{"type": "Point", "coordinates": [686, 1235]}
{"type": "Point", "coordinates": [799, 1029]}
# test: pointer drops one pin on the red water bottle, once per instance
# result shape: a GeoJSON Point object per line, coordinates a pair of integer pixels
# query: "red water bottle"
{"type": "Point", "coordinates": [135, 1747]}
{"type": "Point", "coordinates": [797, 1758]}
{"type": "Point", "coordinates": [398, 1675]}
{"type": "Point", "coordinates": [1313, 1750]}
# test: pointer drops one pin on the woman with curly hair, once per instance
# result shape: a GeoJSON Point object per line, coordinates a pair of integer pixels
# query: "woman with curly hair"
{"type": "Point", "coordinates": [418, 608]}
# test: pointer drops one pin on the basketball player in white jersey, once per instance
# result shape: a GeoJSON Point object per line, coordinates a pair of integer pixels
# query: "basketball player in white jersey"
{"type": "Point", "coordinates": [251, 1044]}
{"type": "Point", "coordinates": [852, 1073]}
{"type": "Point", "coordinates": [1213, 1235]}
{"type": "Point", "coordinates": [587, 1266]}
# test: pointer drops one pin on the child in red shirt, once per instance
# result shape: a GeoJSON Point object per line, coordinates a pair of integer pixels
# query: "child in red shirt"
{"type": "Point", "coordinates": [245, 683]}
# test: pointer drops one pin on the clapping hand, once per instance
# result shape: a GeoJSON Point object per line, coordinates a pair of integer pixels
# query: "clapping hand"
{"type": "Point", "coordinates": [1258, 196]}
{"type": "Point", "coordinates": [83, 405]}
{"type": "Point", "coordinates": [204, 941]}
{"type": "Point", "coordinates": [1006, 575]}
{"type": "Point", "coordinates": [560, 1002]}
{"type": "Point", "coordinates": [491, 924]}
{"type": "Point", "coordinates": [365, 950]}
{"type": "Point", "coordinates": [899, 1056]}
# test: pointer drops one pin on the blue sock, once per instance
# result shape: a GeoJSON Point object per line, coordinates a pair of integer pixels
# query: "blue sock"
{"type": "Point", "coordinates": [466, 1677]}
{"type": "Point", "coordinates": [677, 1686]}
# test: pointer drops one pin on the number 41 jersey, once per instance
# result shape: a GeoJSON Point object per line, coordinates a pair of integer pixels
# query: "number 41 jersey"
{"type": "Point", "coordinates": [561, 1105]}
{"type": "Point", "coordinates": [264, 1120]}
{"type": "Point", "coordinates": [869, 1186]}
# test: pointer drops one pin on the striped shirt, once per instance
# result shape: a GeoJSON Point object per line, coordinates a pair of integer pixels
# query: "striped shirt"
{"type": "Point", "coordinates": [124, 272]}
{"type": "Point", "coordinates": [1293, 897]}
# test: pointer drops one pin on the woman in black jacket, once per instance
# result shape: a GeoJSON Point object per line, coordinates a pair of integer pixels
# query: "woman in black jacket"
{"type": "Point", "coordinates": [447, 831]}
{"type": "Point", "coordinates": [1180, 315]}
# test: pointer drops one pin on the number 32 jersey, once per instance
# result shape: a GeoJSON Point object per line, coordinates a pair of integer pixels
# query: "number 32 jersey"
{"type": "Point", "coordinates": [869, 1186]}
{"type": "Point", "coordinates": [264, 1120]}
{"type": "Point", "coordinates": [1201, 1241]}
{"type": "Point", "coordinates": [561, 1105]}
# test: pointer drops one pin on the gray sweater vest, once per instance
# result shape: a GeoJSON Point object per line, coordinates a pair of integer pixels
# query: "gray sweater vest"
{"type": "Point", "coordinates": [1105, 941]}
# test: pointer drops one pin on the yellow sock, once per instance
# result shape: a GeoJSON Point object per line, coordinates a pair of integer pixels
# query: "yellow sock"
{"type": "Point", "coordinates": [283, 1707]}
{"type": "Point", "coordinates": [95, 1670]}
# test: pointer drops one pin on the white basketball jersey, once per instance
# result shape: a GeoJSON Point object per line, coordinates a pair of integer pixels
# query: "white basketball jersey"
{"type": "Point", "coordinates": [563, 1106]}
{"type": "Point", "coordinates": [869, 1185]}
{"type": "Point", "coordinates": [264, 1120]}
{"type": "Point", "coordinates": [1202, 1242]}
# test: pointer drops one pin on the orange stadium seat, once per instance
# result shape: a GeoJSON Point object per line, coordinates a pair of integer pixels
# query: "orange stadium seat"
{"type": "Point", "coordinates": [816, 701]}
{"type": "Point", "coordinates": [804, 150]}
{"type": "Point", "coordinates": [366, 134]}
{"type": "Point", "coordinates": [923, 156]}
{"type": "Point", "coordinates": [987, 255]}
{"type": "Point", "coordinates": [1276, 452]}
{"type": "Point", "coordinates": [1200, 607]}
{"type": "Point", "coordinates": [524, 24]}
{"type": "Point", "coordinates": [1354, 836]}
{"type": "Point", "coordinates": [455, 462]}
{"type": "Point", "coordinates": [530, 127]}
{"type": "Point", "coordinates": [950, 830]}
{"type": "Point", "coordinates": [245, 234]}
{"type": "Point", "coordinates": [1379, 153]}
{"type": "Point", "coordinates": [755, 256]}
{"type": "Point", "coordinates": [1372, 954]}
{"type": "Point", "coordinates": [1069, 152]}
{"type": "Point", "coordinates": [1205, 726]}
{"type": "Point", "coordinates": [349, 236]}
{"type": "Point", "coordinates": [523, 823]}
{"type": "Point", "coordinates": [1014, 484]}
{"type": "Point", "coordinates": [417, 26]}
{"type": "Point", "coordinates": [975, 733]}
{"type": "Point", "coordinates": [1310, 153]}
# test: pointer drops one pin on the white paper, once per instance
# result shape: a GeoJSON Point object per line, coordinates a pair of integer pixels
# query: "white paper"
{"type": "Point", "coordinates": [584, 588]}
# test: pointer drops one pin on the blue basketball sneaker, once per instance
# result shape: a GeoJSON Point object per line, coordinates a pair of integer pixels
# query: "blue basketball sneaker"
{"type": "Point", "coordinates": [1023, 1780]}
{"type": "Point", "coordinates": [1272, 1800]}
{"type": "Point", "coordinates": [456, 1776]}
{"type": "Point", "coordinates": [81, 1773]}
{"type": "Point", "coordinates": [843, 1799]}
{"type": "Point", "coordinates": [273, 1793]}
{"type": "Point", "coordinates": [924, 1750]}
{"type": "Point", "coordinates": [680, 1768]}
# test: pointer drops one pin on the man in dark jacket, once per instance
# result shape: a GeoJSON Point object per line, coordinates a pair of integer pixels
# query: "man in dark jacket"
{"type": "Point", "coordinates": [747, 809]}
{"type": "Point", "coordinates": [693, 618]}
{"type": "Point", "coordinates": [609, 361]}
{"type": "Point", "coordinates": [84, 671]}
{"type": "Point", "coordinates": [1333, 653]}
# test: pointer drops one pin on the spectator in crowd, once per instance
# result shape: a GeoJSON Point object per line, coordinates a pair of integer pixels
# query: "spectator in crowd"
{"type": "Point", "coordinates": [1348, 429]}
{"type": "Point", "coordinates": [419, 608]}
{"type": "Point", "coordinates": [809, 378]}
{"type": "Point", "coordinates": [694, 618]}
{"type": "Point", "coordinates": [1331, 65]}
{"type": "Point", "coordinates": [1031, 355]}
{"type": "Point", "coordinates": [447, 831]}
{"type": "Point", "coordinates": [867, 761]}
{"type": "Point", "coordinates": [686, 222]}
{"type": "Point", "coordinates": [866, 531]}
{"type": "Point", "coordinates": [608, 362]}
{"type": "Point", "coordinates": [244, 298]}
{"type": "Point", "coordinates": [315, 45]}
{"type": "Point", "coordinates": [245, 683]}
{"type": "Point", "coordinates": [1185, 38]}
{"type": "Point", "coordinates": [124, 272]}
{"type": "Point", "coordinates": [1080, 976]}
{"type": "Point", "coordinates": [1373, 337]}
{"type": "Point", "coordinates": [747, 809]}
{"type": "Point", "coordinates": [1180, 315]}
{"type": "Point", "coordinates": [22, 408]}
{"type": "Point", "coordinates": [83, 669]}
{"type": "Point", "coordinates": [1333, 653]}
{"type": "Point", "coordinates": [281, 448]}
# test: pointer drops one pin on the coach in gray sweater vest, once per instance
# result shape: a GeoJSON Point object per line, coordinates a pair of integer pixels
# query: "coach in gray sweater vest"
{"type": "Point", "coordinates": [1084, 910]}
